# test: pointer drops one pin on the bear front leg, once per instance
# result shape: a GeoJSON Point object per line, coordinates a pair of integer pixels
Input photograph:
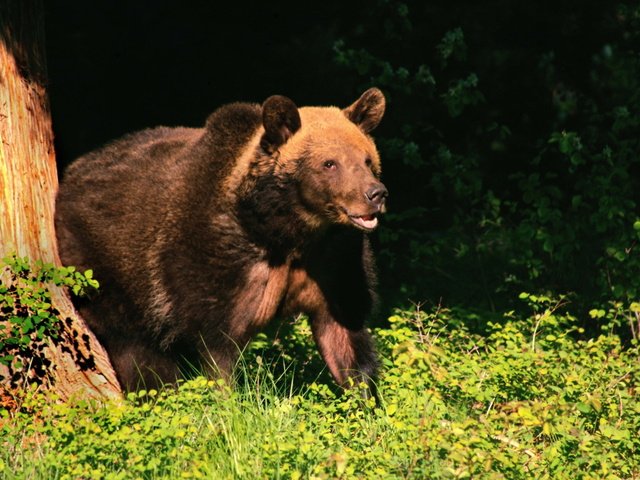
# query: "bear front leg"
{"type": "Point", "coordinates": [348, 352]}
{"type": "Point", "coordinates": [218, 359]}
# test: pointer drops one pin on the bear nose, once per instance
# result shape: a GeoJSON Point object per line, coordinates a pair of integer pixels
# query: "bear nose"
{"type": "Point", "coordinates": [377, 194]}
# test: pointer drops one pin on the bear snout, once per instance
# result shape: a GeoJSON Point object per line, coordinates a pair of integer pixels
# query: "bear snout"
{"type": "Point", "coordinates": [376, 195]}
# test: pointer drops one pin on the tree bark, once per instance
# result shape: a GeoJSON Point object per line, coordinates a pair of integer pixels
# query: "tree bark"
{"type": "Point", "coordinates": [28, 185]}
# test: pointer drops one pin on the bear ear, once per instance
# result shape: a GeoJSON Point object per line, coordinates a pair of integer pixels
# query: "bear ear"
{"type": "Point", "coordinates": [280, 119]}
{"type": "Point", "coordinates": [367, 111]}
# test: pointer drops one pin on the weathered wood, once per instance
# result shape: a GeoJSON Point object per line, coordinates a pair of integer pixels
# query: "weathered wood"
{"type": "Point", "coordinates": [28, 184]}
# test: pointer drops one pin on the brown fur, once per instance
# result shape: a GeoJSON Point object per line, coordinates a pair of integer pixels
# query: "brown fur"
{"type": "Point", "coordinates": [272, 282]}
{"type": "Point", "coordinates": [200, 237]}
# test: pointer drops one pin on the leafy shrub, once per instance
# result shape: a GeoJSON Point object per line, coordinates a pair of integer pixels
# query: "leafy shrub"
{"type": "Point", "coordinates": [528, 398]}
{"type": "Point", "coordinates": [28, 320]}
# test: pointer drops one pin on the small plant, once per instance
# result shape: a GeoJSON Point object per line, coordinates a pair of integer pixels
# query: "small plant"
{"type": "Point", "coordinates": [620, 317]}
{"type": "Point", "coordinates": [28, 320]}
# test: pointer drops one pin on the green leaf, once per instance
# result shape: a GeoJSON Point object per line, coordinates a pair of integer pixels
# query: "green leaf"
{"type": "Point", "coordinates": [27, 325]}
{"type": "Point", "coordinates": [614, 433]}
{"type": "Point", "coordinates": [583, 407]}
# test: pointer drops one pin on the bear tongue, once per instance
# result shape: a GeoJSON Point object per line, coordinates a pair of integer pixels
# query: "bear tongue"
{"type": "Point", "coordinates": [366, 221]}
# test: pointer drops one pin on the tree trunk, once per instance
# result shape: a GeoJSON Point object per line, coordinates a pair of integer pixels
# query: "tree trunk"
{"type": "Point", "coordinates": [28, 184]}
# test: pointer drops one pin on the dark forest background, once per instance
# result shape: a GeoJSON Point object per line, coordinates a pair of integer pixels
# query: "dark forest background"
{"type": "Point", "coordinates": [510, 146]}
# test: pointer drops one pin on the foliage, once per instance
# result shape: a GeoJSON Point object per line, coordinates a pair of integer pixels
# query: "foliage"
{"type": "Point", "coordinates": [528, 398]}
{"type": "Point", "coordinates": [512, 156]}
{"type": "Point", "coordinates": [28, 320]}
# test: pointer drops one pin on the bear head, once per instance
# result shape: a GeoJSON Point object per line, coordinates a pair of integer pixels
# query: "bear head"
{"type": "Point", "coordinates": [329, 157]}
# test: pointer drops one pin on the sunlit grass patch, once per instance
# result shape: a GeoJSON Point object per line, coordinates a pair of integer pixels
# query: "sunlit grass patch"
{"type": "Point", "coordinates": [528, 398]}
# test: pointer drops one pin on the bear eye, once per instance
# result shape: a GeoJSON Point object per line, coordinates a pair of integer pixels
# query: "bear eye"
{"type": "Point", "coordinates": [330, 165]}
{"type": "Point", "coordinates": [368, 162]}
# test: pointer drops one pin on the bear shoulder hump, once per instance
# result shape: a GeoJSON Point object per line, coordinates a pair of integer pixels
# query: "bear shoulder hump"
{"type": "Point", "coordinates": [234, 119]}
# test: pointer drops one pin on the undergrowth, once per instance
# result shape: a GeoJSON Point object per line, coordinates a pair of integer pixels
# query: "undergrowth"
{"type": "Point", "coordinates": [530, 397]}
{"type": "Point", "coordinates": [29, 321]}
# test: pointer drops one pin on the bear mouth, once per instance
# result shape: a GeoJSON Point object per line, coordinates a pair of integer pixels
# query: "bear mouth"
{"type": "Point", "coordinates": [365, 222]}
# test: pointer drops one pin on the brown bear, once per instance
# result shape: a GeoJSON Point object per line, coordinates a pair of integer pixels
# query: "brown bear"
{"type": "Point", "coordinates": [199, 237]}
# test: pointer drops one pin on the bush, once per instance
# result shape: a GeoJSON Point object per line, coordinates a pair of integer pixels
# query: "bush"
{"type": "Point", "coordinates": [527, 398]}
{"type": "Point", "coordinates": [28, 320]}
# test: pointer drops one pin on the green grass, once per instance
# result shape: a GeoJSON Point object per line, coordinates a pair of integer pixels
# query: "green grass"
{"type": "Point", "coordinates": [528, 397]}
